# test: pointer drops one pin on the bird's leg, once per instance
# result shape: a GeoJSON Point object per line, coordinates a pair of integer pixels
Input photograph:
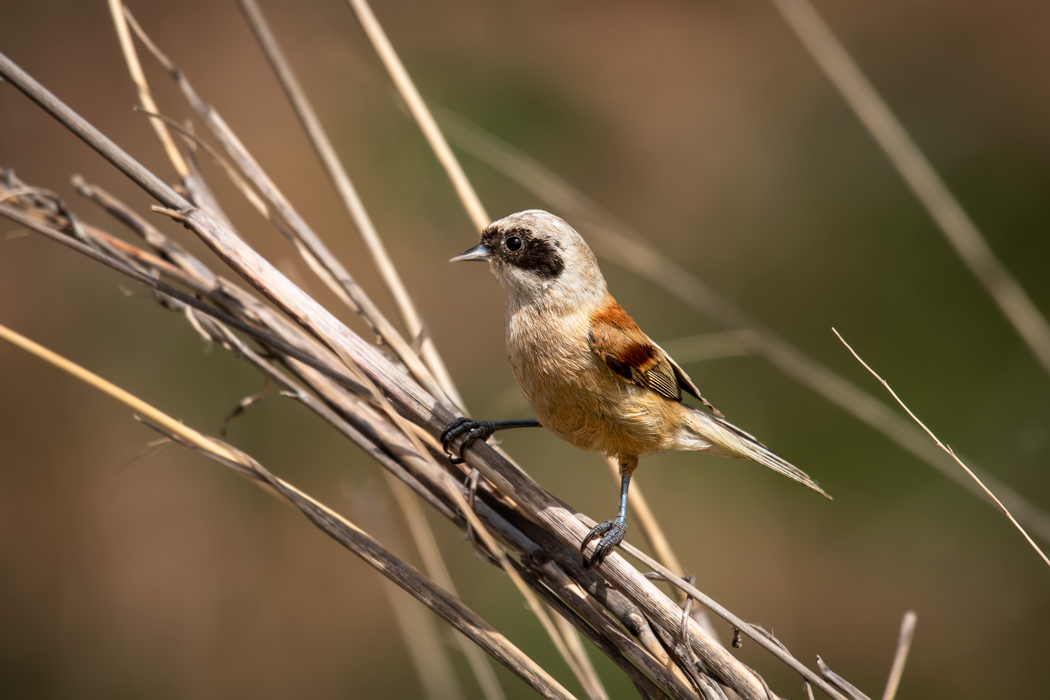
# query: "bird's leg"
{"type": "Point", "coordinates": [611, 531]}
{"type": "Point", "coordinates": [476, 430]}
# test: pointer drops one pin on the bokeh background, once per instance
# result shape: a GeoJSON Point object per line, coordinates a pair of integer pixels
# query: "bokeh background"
{"type": "Point", "coordinates": [703, 125]}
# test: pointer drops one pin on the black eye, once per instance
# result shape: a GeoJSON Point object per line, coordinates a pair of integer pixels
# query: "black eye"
{"type": "Point", "coordinates": [513, 244]}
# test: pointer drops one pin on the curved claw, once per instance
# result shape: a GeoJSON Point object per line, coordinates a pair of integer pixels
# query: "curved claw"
{"type": "Point", "coordinates": [474, 430]}
{"type": "Point", "coordinates": [611, 533]}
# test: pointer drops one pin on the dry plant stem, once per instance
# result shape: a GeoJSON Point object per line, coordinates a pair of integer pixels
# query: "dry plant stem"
{"type": "Point", "coordinates": [903, 646]}
{"type": "Point", "coordinates": [145, 97]}
{"type": "Point", "coordinates": [348, 194]}
{"type": "Point", "coordinates": [947, 449]}
{"type": "Point", "coordinates": [436, 569]}
{"type": "Point", "coordinates": [420, 112]}
{"type": "Point", "coordinates": [421, 635]}
{"type": "Point", "coordinates": [352, 537]}
{"type": "Point", "coordinates": [918, 173]}
{"type": "Point", "coordinates": [558, 518]}
{"type": "Point", "coordinates": [568, 616]}
{"type": "Point", "coordinates": [840, 682]}
{"type": "Point", "coordinates": [572, 639]}
{"type": "Point", "coordinates": [316, 254]}
{"type": "Point", "coordinates": [634, 253]}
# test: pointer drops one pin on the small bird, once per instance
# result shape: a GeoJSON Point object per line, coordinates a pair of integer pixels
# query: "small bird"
{"type": "Point", "coordinates": [591, 375]}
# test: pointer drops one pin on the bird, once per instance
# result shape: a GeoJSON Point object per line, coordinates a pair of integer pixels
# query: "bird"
{"type": "Point", "coordinates": [590, 374]}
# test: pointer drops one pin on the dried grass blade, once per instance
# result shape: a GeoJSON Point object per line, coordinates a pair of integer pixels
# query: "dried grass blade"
{"type": "Point", "coordinates": [901, 656]}
{"type": "Point", "coordinates": [131, 57]}
{"type": "Point", "coordinates": [420, 112]}
{"type": "Point", "coordinates": [355, 208]}
{"type": "Point", "coordinates": [947, 449]}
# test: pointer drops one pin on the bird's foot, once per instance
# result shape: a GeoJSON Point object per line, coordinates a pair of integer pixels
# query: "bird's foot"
{"type": "Point", "coordinates": [472, 429]}
{"type": "Point", "coordinates": [611, 533]}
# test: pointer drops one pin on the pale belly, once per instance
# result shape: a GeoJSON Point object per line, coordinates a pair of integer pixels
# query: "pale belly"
{"type": "Point", "coordinates": [580, 400]}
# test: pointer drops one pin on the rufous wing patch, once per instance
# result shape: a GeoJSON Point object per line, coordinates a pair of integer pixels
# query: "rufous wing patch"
{"type": "Point", "coordinates": [630, 354]}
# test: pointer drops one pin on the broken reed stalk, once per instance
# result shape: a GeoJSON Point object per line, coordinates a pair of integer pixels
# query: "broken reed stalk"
{"type": "Point", "coordinates": [900, 657]}
{"type": "Point", "coordinates": [530, 522]}
{"type": "Point", "coordinates": [614, 240]}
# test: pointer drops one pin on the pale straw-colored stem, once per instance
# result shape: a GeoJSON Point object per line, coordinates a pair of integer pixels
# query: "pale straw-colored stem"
{"type": "Point", "coordinates": [947, 449]}
{"type": "Point", "coordinates": [421, 113]}
{"type": "Point", "coordinates": [901, 656]}
{"type": "Point", "coordinates": [924, 182]}
{"type": "Point", "coordinates": [131, 57]}
{"type": "Point", "coordinates": [435, 567]}
{"type": "Point", "coordinates": [355, 208]}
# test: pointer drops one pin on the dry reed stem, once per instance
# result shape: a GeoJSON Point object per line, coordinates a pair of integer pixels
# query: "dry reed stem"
{"type": "Point", "coordinates": [127, 47]}
{"type": "Point", "coordinates": [956, 225]}
{"type": "Point", "coordinates": [348, 195]}
{"type": "Point", "coordinates": [901, 655]}
{"type": "Point", "coordinates": [615, 241]}
{"type": "Point", "coordinates": [434, 564]}
{"type": "Point", "coordinates": [445, 605]}
{"type": "Point", "coordinates": [560, 520]}
{"type": "Point", "coordinates": [426, 648]}
{"type": "Point", "coordinates": [306, 241]}
{"type": "Point", "coordinates": [407, 89]}
{"type": "Point", "coordinates": [947, 449]}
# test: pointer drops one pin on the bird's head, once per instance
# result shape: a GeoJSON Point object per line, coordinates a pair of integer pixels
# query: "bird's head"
{"type": "Point", "coordinates": [540, 260]}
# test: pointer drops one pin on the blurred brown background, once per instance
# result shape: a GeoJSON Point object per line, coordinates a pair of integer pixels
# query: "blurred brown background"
{"type": "Point", "coordinates": [706, 127]}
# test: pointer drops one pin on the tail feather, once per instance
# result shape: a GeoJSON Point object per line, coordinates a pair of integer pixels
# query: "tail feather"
{"type": "Point", "coordinates": [730, 441]}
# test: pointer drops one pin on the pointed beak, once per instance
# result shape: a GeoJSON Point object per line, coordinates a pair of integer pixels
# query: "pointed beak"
{"type": "Point", "coordinates": [478, 252]}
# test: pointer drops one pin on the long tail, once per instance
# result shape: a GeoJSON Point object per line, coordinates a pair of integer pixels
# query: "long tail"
{"type": "Point", "coordinates": [727, 440]}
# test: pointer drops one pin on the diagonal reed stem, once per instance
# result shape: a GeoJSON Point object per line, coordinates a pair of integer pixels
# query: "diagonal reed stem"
{"type": "Point", "coordinates": [355, 208]}
{"type": "Point", "coordinates": [407, 89]}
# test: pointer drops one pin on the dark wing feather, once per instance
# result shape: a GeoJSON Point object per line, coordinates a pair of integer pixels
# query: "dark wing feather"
{"type": "Point", "coordinates": [686, 383]}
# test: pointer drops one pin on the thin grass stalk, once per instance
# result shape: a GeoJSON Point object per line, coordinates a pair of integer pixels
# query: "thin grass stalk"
{"type": "Point", "coordinates": [615, 241]}
{"type": "Point", "coordinates": [348, 195]}
{"type": "Point", "coordinates": [127, 47]}
{"type": "Point", "coordinates": [421, 113]}
{"type": "Point", "coordinates": [435, 566]}
{"type": "Point", "coordinates": [421, 636]}
{"type": "Point", "coordinates": [924, 182]}
{"type": "Point", "coordinates": [901, 656]}
{"type": "Point", "coordinates": [948, 450]}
